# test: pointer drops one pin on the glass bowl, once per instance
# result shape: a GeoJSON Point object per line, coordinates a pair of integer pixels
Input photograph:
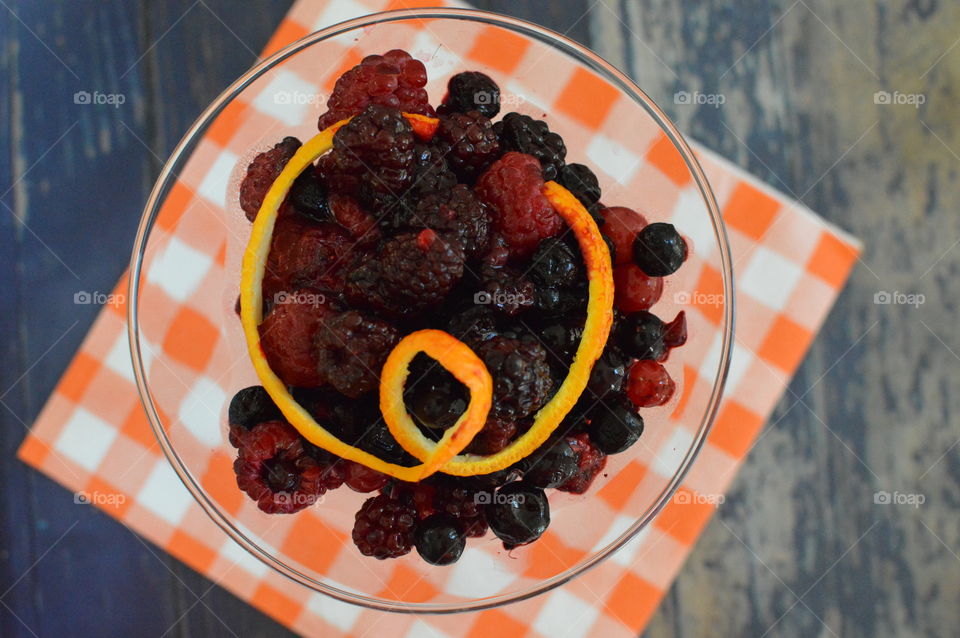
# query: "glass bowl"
{"type": "Point", "coordinates": [189, 354]}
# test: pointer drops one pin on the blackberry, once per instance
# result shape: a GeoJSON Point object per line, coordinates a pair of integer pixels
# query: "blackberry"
{"type": "Point", "coordinates": [505, 290]}
{"type": "Point", "coordinates": [418, 270]}
{"type": "Point", "coordinates": [384, 527]}
{"type": "Point", "coordinates": [438, 540]}
{"type": "Point", "coordinates": [524, 134]}
{"type": "Point", "coordinates": [521, 377]}
{"type": "Point", "coordinates": [513, 187]}
{"type": "Point", "coordinates": [308, 197]}
{"type": "Point", "coordinates": [590, 462]}
{"type": "Point", "coordinates": [372, 157]}
{"type": "Point", "coordinates": [458, 213]}
{"type": "Point", "coordinates": [262, 172]}
{"type": "Point", "coordinates": [495, 436]}
{"type": "Point", "coordinates": [659, 249]}
{"type": "Point", "coordinates": [469, 143]}
{"type": "Point", "coordinates": [252, 406]}
{"type": "Point", "coordinates": [461, 503]}
{"type": "Point", "coordinates": [556, 264]}
{"type": "Point", "coordinates": [471, 91]}
{"type": "Point", "coordinates": [393, 79]}
{"type": "Point", "coordinates": [582, 183]}
{"type": "Point", "coordinates": [615, 427]}
{"type": "Point", "coordinates": [519, 514]}
{"type": "Point", "coordinates": [351, 350]}
{"type": "Point", "coordinates": [552, 465]}
{"type": "Point", "coordinates": [640, 335]}
{"type": "Point", "coordinates": [273, 469]}
{"type": "Point", "coordinates": [473, 325]}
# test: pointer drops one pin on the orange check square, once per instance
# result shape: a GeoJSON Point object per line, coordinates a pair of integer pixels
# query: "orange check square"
{"type": "Point", "coordinates": [751, 211]}
{"type": "Point", "coordinates": [785, 344]}
{"type": "Point", "coordinates": [587, 98]}
{"type": "Point", "coordinates": [499, 49]}
{"type": "Point", "coordinates": [191, 339]}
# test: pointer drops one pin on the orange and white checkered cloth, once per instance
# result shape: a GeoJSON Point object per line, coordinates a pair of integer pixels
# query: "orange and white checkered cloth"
{"type": "Point", "coordinates": [791, 266]}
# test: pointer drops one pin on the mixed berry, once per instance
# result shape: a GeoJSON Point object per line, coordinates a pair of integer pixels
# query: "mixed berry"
{"type": "Point", "coordinates": [392, 232]}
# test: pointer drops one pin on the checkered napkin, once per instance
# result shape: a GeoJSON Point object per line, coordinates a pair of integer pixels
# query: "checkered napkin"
{"type": "Point", "coordinates": [791, 266]}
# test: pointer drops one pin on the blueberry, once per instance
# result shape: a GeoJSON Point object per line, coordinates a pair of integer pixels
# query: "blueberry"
{"type": "Point", "coordinates": [640, 334]}
{"type": "Point", "coordinates": [438, 541]}
{"type": "Point", "coordinates": [608, 373]}
{"type": "Point", "coordinates": [519, 514]}
{"type": "Point", "coordinates": [553, 467]}
{"type": "Point", "coordinates": [614, 428]}
{"type": "Point", "coordinates": [252, 406]}
{"type": "Point", "coordinates": [659, 249]}
{"type": "Point", "coordinates": [309, 198]}
{"type": "Point", "coordinates": [581, 182]}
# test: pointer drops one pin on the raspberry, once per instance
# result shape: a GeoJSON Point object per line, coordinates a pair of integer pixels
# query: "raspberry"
{"type": "Point", "coordinates": [471, 91]}
{"type": "Point", "coordinates": [274, 470]}
{"type": "Point", "coordinates": [498, 254]}
{"type": "Point", "coordinates": [495, 435]}
{"type": "Point", "coordinates": [635, 290]}
{"type": "Point", "coordinates": [521, 377]}
{"type": "Point", "coordinates": [469, 143]}
{"type": "Point", "coordinates": [360, 224]}
{"type": "Point", "coordinates": [394, 79]}
{"type": "Point", "coordinates": [622, 225]}
{"type": "Point", "coordinates": [590, 462]}
{"type": "Point", "coordinates": [262, 172]}
{"type": "Point", "coordinates": [351, 350]}
{"type": "Point", "coordinates": [582, 184]}
{"type": "Point", "coordinates": [513, 187]}
{"type": "Point", "coordinates": [372, 157]}
{"type": "Point", "coordinates": [418, 270]}
{"type": "Point", "coordinates": [305, 255]}
{"type": "Point", "coordinates": [287, 337]}
{"type": "Point", "coordinates": [384, 527]}
{"type": "Point", "coordinates": [524, 134]}
{"type": "Point", "coordinates": [555, 264]}
{"type": "Point", "coordinates": [649, 384]}
{"type": "Point", "coordinates": [458, 213]}
{"type": "Point", "coordinates": [505, 290]}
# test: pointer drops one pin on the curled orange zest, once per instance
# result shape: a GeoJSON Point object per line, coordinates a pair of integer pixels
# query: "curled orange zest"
{"type": "Point", "coordinates": [451, 353]}
{"type": "Point", "coordinates": [423, 126]}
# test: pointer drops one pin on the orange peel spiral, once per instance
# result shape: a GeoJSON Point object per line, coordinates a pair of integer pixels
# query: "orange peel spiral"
{"type": "Point", "coordinates": [443, 455]}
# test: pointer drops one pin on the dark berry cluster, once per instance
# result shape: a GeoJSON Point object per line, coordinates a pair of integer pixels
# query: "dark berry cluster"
{"type": "Point", "coordinates": [395, 230]}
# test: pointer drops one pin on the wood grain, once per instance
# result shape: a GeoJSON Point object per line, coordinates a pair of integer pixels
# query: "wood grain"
{"type": "Point", "coordinates": [799, 548]}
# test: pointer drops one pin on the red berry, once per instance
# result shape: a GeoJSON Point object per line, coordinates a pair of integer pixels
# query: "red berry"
{"type": "Point", "coordinates": [360, 224]}
{"type": "Point", "coordinates": [590, 462]}
{"type": "Point", "coordinates": [649, 384]}
{"type": "Point", "coordinates": [675, 332]}
{"type": "Point", "coordinates": [273, 468]}
{"type": "Point", "coordinates": [361, 478]}
{"type": "Point", "coordinates": [634, 290]}
{"type": "Point", "coordinates": [287, 337]}
{"type": "Point", "coordinates": [351, 348]}
{"type": "Point", "coordinates": [513, 188]}
{"type": "Point", "coordinates": [261, 173]}
{"type": "Point", "coordinates": [495, 435]}
{"type": "Point", "coordinates": [305, 255]}
{"type": "Point", "coordinates": [393, 79]}
{"type": "Point", "coordinates": [622, 225]}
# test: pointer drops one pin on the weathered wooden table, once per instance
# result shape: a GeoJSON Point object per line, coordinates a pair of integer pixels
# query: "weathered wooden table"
{"type": "Point", "coordinates": [799, 549]}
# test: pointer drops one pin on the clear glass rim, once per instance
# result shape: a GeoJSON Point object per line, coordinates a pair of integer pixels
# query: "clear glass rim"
{"type": "Point", "coordinates": [189, 141]}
